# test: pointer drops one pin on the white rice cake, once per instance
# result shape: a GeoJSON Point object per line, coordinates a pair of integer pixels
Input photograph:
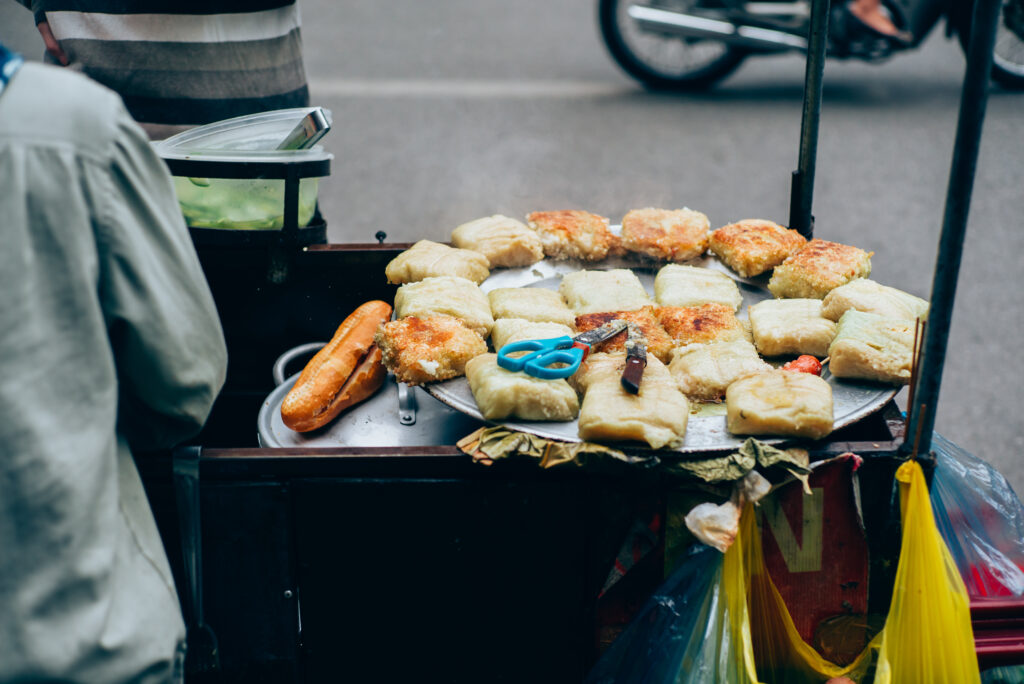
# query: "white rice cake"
{"type": "Point", "coordinates": [790, 326]}
{"type": "Point", "coordinates": [573, 234]}
{"type": "Point", "coordinates": [657, 415]}
{"type": "Point", "coordinates": [705, 371]}
{"type": "Point", "coordinates": [872, 347]}
{"type": "Point", "coordinates": [505, 241]}
{"type": "Point", "coordinates": [866, 295]}
{"type": "Point", "coordinates": [598, 291]}
{"type": "Point", "coordinates": [531, 304]}
{"type": "Point", "coordinates": [666, 234]}
{"type": "Point", "coordinates": [677, 285]}
{"type": "Point", "coordinates": [507, 330]}
{"type": "Point", "coordinates": [446, 296]}
{"type": "Point", "coordinates": [501, 394]}
{"type": "Point", "coordinates": [427, 259]}
{"type": "Point", "coordinates": [784, 403]}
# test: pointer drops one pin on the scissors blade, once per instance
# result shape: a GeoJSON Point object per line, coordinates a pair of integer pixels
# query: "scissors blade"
{"type": "Point", "coordinates": [636, 359]}
{"type": "Point", "coordinates": [598, 335]}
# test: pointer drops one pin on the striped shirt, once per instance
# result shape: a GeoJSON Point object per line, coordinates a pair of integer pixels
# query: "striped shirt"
{"type": "Point", "coordinates": [180, 63]}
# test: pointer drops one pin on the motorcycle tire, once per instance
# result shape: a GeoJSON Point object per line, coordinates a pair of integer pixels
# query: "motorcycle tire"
{"type": "Point", "coordinates": [636, 51]}
{"type": "Point", "coordinates": [1008, 53]}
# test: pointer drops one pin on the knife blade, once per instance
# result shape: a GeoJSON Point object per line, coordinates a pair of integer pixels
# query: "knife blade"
{"type": "Point", "coordinates": [636, 359]}
{"type": "Point", "coordinates": [598, 335]}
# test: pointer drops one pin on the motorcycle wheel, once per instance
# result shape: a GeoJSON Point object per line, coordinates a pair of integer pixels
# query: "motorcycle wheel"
{"type": "Point", "coordinates": [664, 62]}
{"type": "Point", "coordinates": [1008, 53]}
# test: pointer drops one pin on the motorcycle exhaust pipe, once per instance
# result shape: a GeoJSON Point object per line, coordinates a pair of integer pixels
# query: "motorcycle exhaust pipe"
{"type": "Point", "coordinates": [690, 26]}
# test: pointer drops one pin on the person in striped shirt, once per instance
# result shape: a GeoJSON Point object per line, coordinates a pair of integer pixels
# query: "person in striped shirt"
{"type": "Point", "coordinates": [181, 63]}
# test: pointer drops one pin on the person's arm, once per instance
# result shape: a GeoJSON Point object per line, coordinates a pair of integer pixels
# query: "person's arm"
{"type": "Point", "coordinates": [161, 319]}
{"type": "Point", "coordinates": [43, 26]}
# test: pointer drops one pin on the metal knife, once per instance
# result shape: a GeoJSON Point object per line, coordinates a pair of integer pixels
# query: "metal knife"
{"type": "Point", "coordinates": [636, 359]}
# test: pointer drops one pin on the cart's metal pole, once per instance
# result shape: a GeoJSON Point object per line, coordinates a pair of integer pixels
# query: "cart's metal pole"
{"type": "Point", "coordinates": [802, 190]}
{"type": "Point", "coordinates": [973, 100]}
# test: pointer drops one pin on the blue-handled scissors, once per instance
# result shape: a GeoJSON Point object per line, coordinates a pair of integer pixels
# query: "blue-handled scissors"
{"type": "Point", "coordinates": [544, 354]}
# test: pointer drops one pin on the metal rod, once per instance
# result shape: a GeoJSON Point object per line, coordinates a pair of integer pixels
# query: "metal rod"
{"type": "Point", "coordinates": [973, 100]}
{"type": "Point", "coordinates": [802, 189]}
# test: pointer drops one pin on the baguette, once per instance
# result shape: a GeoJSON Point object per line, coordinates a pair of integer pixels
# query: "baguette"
{"type": "Point", "coordinates": [346, 371]}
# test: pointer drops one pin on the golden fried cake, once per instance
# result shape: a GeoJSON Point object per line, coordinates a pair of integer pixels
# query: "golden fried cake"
{"type": "Point", "coordinates": [790, 326]}
{"type": "Point", "coordinates": [666, 234]}
{"type": "Point", "coordinates": [658, 341]}
{"type": "Point", "coordinates": [657, 415]}
{"type": "Point", "coordinates": [871, 297]}
{"type": "Point", "coordinates": [572, 234]}
{"type": "Point", "coordinates": [421, 350]}
{"type": "Point", "coordinates": [530, 303]}
{"type": "Point", "coordinates": [427, 259]}
{"type": "Point", "coordinates": [446, 296]}
{"type": "Point", "coordinates": [818, 268]}
{"type": "Point", "coordinates": [501, 394]}
{"type": "Point", "coordinates": [784, 403]}
{"type": "Point", "coordinates": [700, 324]}
{"type": "Point", "coordinates": [597, 291]}
{"type": "Point", "coordinates": [508, 330]}
{"type": "Point", "coordinates": [505, 241]}
{"type": "Point", "coordinates": [752, 246]}
{"type": "Point", "coordinates": [704, 371]}
{"type": "Point", "coordinates": [677, 285]}
{"type": "Point", "coordinates": [872, 347]}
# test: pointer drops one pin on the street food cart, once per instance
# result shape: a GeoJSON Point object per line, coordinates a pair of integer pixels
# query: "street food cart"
{"type": "Point", "coordinates": [390, 554]}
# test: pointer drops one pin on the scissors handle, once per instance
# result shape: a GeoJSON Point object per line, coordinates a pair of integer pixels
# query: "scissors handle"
{"type": "Point", "coordinates": [543, 354]}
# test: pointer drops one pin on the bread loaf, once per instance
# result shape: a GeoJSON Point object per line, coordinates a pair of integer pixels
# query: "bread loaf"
{"type": "Point", "coordinates": [347, 370]}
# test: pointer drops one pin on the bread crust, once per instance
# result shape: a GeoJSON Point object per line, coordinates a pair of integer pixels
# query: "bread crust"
{"type": "Point", "coordinates": [753, 246]}
{"type": "Point", "coordinates": [572, 234]}
{"type": "Point", "coordinates": [818, 268]}
{"type": "Point", "coordinates": [421, 350]}
{"type": "Point", "coordinates": [667, 234]}
{"type": "Point", "coordinates": [341, 374]}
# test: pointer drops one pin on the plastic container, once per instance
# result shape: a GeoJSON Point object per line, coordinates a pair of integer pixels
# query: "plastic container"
{"type": "Point", "coordinates": [230, 174]}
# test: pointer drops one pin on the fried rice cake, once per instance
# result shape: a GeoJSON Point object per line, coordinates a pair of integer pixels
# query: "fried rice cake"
{"type": "Point", "coordinates": [705, 371]}
{"type": "Point", "coordinates": [531, 303]}
{"type": "Point", "coordinates": [658, 341]}
{"type": "Point", "coordinates": [679, 285]}
{"type": "Point", "coordinates": [572, 234]}
{"type": "Point", "coordinates": [753, 246]}
{"type": "Point", "coordinates": [871, 297]}
{"type": "Point", "coordinates": [872, 347]}
{"type": "Point", "coordinates": [420, 350]}
{"type": "Point", "coordinates": [505, 241]}
{"type": "Point", "coordinates": [790, 326]}
{"type": "Point", "coordinates": [779, 402]}
{"type": "Point", "coordinates": [427, 259]}
{"type": "Point", "coordinates": [501, 394]}
{"type": "Point", "coordinates": [657, 415]}
{"type": "Point", "coordinates": [508, 330]}
{"type": "Point", "coordinates": [446, 296]}
{"type": "Point", "coordinates": [817, 269]}
{"type": "Point", "coordinates": [710, 322]}
{"type": "Point", "coordinates": [618, 289]}
{"type": "Point", "coordinates": [666, 234]}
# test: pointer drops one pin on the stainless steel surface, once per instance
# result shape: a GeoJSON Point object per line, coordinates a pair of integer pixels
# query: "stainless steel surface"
{"type": "Point", "coordinates": [706, 429]}
{"type": "Point", "coordinates": [406, 405]}
{"type": "Point", "coordinates": [308, 131]}
{"type": "Point", "coordinates": [373, 423]}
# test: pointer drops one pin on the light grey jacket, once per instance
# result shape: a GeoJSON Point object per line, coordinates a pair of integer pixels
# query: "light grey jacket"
{"type": "Point", "coordinates": [109, 341]}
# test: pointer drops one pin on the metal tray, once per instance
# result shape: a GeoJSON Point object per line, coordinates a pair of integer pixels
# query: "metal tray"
{"type": "Point", "coordinates": [706, 429]}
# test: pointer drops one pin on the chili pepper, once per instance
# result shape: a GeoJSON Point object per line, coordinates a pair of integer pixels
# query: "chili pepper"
{"type": "Point", "coordinates": [804, 364]}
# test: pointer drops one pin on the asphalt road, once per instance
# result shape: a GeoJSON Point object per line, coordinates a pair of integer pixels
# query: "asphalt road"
{"type": "Point", "coordinates": [448, 111]}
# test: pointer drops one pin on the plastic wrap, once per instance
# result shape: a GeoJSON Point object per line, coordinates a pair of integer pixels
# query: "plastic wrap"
{"type": "Point", "coordinates": [720, 618]}
{"type": "Point", "coordinates": [981, 520]}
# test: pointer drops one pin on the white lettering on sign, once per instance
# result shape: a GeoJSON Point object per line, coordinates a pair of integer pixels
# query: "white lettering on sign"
{"type": "Point", "coordinates": [806, 555]}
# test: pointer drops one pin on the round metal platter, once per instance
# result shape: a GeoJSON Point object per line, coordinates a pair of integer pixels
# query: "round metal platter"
{"type": "Point", "coordinates": [705, 429]}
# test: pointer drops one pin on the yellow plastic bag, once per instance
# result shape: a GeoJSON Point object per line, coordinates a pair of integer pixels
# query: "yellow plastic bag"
{"type": "Point", "coordinates": [721, 618]}
{"type": "Point", "coordinates": [927, 636]}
